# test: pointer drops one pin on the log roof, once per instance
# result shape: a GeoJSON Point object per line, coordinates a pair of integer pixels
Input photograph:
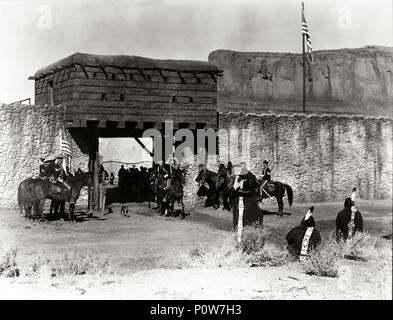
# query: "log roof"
{"type": "Point", "coordinates": [126, 62]}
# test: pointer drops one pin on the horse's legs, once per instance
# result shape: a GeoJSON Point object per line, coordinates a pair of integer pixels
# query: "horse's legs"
{"type": "Point", "coordinates": [41, 208]}
{"type": "Point", "coordinates": [280, 205]}
{"type": "Point", "coordinates": [220, 201]}
{"type": "Point", "coordinates": [71, 211]}
{"type": "Point", "coordinates": [182, 209]}
{"type": "Point", "coordinates": [28, 209]}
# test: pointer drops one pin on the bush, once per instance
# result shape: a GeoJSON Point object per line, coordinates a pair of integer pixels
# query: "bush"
{"type": "Point", "coordinates": [270, 256]}
{"type": "Point", "coordinates": [360, 247]}
{"type": "Point", "coordinates": [253, 238]}
{"type": "Point", "coordinates": [8, 266]}
{"type": "Point", "coordinates": [226, 254]}
{"type": "Point", "coordinates": [323, 260]}
{"type": "Point", "coordinates": [71, 263]}
{"type": "Point", "coordinates": [387, 230]}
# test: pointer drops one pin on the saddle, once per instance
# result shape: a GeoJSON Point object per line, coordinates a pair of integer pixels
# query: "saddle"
{"type": "Point", "coordinates": [269, 186]}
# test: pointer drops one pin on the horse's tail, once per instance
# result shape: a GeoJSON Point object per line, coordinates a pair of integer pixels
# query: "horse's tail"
{"type": "Point", "coordinates": [289, 193]}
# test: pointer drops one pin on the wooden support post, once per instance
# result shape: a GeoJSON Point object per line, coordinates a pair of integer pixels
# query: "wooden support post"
{"type": "Point", "coordinates": [240, 220]}
{"type": "Point", "coordinates": [96, 184]}
{"type": "Point", "coordinates": [103, 204]}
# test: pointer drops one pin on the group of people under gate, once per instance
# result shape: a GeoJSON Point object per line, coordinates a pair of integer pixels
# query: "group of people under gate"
{"type": "Point", "coordinates": [245, 186]}
{"type": "Point", "coordinates": [146, 185]}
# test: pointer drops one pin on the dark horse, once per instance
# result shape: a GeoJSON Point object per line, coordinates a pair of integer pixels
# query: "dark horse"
{"type": "Point", "coordinates": [215, 187]}
{"type": "Point", "coordinates": [276, 189]}
{"type": "Point", "coordinates": [34, 192]}
{"type": "Point", "coordinates": [175, 193]}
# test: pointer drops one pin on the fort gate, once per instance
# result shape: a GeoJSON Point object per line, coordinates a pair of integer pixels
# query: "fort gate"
{"type": "Point", "coordinates": [122, 96]}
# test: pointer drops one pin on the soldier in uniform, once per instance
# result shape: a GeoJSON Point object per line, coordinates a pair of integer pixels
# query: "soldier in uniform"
{"type": "Point", "coordinates": [42, 168]}
{"type": "Point", "coordinates": [177, 170]}
{"type": "Point", "coordinates": [55, 170]}
{"type": "Point", "coordinates": [266, 176]}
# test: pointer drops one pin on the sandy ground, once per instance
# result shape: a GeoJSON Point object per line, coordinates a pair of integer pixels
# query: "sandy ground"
{"type": "Point", "coordinates": [140, 248]}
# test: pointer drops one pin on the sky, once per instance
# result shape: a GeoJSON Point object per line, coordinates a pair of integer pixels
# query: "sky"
{"type": "Point", "coordinates": [124, 150]}
{"type": "Point", "coordinates": [35, 33]}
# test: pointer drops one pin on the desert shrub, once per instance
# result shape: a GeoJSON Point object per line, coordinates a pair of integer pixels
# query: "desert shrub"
{"type": "Point", "coordinates": [362, 246]}
{"type": "Point", "coordinates": [253, 238]}
{"type": "Point", "coordinates": [225, 254]}
{"type": "Point", "coordinates": [77, 262]}
{"type": "Point", "coordinates": [277, 235]}
{"type": "Point", "coordinates": [324, 259]}
{"type": "Point", "coordinates": [387, 230]}
{"type": "Point", "coordinates": [271, 255]}
{"type": "Point", "coordinates": [8, 265]}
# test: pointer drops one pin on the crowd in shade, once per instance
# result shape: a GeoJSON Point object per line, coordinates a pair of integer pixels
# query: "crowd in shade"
{"type": "Point", "coordinates": [133, 182]}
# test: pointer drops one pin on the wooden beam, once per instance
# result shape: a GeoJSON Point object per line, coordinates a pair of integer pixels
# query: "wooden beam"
{"type": "Point", "coordinates": [196, 77]}
{"type": "Point", "coordinates": [162, 75]}
{"type": "Point", "coordinates": [144, 147]}
{"type": "Point", "coordinates": [181, 77]}
{"type": "Point", "coordinates": [212, 75]}
{"type": "Point", "coordinates": [139, 125]}
{"type": "Point", "coordinates": [143, 75]}
{"type": "Point", "coordinates": [84, 71]}
{"type": "Point", "coordinates": [104, 72]}
{"type": "Point", "coordinates": [124, 73]}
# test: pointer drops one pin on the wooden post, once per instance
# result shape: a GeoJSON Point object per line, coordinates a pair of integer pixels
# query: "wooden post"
{"type": "Point", "coordinates": [96, 184]}
{"type": "Point", "coordinates": [240, 220]}
{"type": "Point", "coordinates": [103, 203]}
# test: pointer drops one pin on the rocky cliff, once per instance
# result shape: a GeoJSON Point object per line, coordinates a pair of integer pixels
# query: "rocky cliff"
{"type": "Point", "coordinates": [345, 80]}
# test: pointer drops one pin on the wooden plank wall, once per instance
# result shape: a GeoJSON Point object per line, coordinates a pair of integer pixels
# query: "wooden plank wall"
{"type": "Point", "coordinates": [114, 94]}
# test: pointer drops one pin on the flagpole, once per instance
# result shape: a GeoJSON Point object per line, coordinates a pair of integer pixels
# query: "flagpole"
{"type": "Point", "coordinates": [304, 65]}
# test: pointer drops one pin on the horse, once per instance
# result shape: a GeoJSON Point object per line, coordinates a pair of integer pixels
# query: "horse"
{"type": "Point", "coordinates": [42, 189]}
{"type": "Point", "coordinates": [275, 189]}
{"type": "Point", "coordinates": [160, 189]}
{"type": "Point", "coordinates": [175, 193]}
{"type": "Point", "coordinates": [210, 178]}
{"type": "Point", "coordinates": [26, 197]}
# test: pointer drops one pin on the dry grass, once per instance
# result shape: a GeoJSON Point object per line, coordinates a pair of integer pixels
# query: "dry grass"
{"type": "Point", "coordinates": [225, 254]}
{"type": "Point", "coordinates": [387, 230]}
{"type": "Point", "coordinates": [257, 248]}
{"type": "Point", "coordinates": [8, 265]}
{"type": "Point", "coordinates": [324, 259]}
{"type": "Point", "coordinates": [362, 246]}
{"type": "Point", "coordinates": [253, 238]}
{"type": "Point", "coordinates": [74, 262]}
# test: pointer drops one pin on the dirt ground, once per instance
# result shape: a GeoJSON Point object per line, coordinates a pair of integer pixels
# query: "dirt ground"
{"type": "Point", "coordinates": [140, 249]}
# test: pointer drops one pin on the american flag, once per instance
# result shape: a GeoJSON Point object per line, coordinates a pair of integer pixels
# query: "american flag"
{"type": "Point", "coordinates": [65, 146]}
{"type": "Point", "coordinates": [306, 34]}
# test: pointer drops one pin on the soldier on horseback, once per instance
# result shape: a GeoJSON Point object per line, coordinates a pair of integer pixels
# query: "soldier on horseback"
{"type": "Point", "coordinates": [55, 171]}
{"type": "Point", "coordinates": [42, 168]}
{"type": "Point", "coordinates": [266, 178]}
